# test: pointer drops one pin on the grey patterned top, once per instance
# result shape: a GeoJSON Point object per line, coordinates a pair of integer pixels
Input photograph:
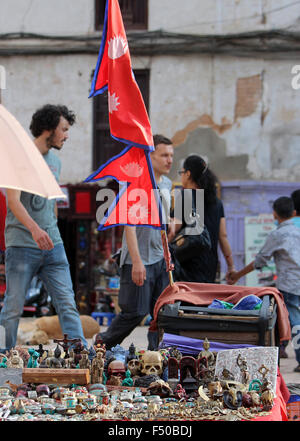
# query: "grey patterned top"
{"type": "Point", "coordinates": [284, 245]}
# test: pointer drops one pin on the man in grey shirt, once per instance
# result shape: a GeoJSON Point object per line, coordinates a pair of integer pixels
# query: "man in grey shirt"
{"type": "Point", "coordinates": [32, 238]}
{"type": "Point", "coordinates": [283, 244]}
{"type": "Point", "coordinates": [143, 274]}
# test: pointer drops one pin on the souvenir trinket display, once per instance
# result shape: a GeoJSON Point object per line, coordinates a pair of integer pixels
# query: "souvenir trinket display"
{"type": "Point", "coordinates": [136, 385]}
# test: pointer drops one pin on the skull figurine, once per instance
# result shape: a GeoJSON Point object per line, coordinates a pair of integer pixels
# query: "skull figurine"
{"type": "Point", "coordinates": [134, 366]}
{"type": "Point", "coordinates": [116, 367]}
{"type": "Point", "coordinates": [152, 363]}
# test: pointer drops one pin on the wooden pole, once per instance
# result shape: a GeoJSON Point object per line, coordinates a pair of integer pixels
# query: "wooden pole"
{"type": "Point", "coordinates": [167, 255]}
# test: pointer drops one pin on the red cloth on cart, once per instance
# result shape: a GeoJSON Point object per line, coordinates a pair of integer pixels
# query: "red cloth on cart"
{"type": "Point", "coordinates": [202, 294]}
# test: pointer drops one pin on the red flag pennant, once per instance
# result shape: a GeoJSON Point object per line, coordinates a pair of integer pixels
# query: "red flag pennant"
{"type": "Point", "coordinates": [137, 202]}
{"type": "Point", "coordinates": [128, 118]}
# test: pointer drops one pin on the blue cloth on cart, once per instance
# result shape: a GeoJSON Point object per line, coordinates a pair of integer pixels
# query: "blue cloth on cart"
{"type": "Point", "coordinates": [246, 303]}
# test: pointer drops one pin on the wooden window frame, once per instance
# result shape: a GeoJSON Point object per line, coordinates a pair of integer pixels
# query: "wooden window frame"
{"type": "Point", "coordinates": [129, 24]}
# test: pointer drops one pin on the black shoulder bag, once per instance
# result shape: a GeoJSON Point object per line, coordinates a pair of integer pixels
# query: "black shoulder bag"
{"type": "Point", "coordinates": [188, 243]}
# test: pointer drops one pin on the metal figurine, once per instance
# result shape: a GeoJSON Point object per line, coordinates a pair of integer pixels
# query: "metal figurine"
{"type": "Point", "coordinates": [97, 366]}
{"type": "Point", "coordinates": [242, 364]}
{"type": "Point", "coordinates": [66, 342]}
{"type": "Point", "coordinates": [267, 399]}
{"type": "Point", "coordinates": [84, 362]}
{"type": "Point", "coordinates": [232, 398]}
{"type": "Point", "coordinates": [263, 370]}
{"type": "Point", "coordinates": [15, 361]}
{"type": "Point", "coordinates": [174, 352]}
{"type": "Point", "coordinates": [207, 353]}
{"type": "Point", "coordinates": [70, 363]}
{"type": "Point", "coordinates": [92, 353]}
{"type": "Point", "coordinates": [41, 350]}
{"type": "Point", "coordinates": [51, 361]}
{"type": "Point", "coordinates": [77, 352]}
{"type": "Point", "coordinates": [227, 375]}
{"type": "Point", "coordinates": [131, 354]}
{"type": "Point", "coordinates": [57, 354]}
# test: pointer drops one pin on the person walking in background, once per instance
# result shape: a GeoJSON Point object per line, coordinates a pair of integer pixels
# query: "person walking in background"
{"type": "Point", "coordinates": [32, 239]}
{"type": "Point", "coordinates": [296, 220]}
{"type": "Point", "coordinates": [283, 244]}
{"type": "Point", "coordinates": [296, 199]}
{"type": "Point", "coordinates": [195, 174]}
{"type": "Point", "coordinates": [143, 274]}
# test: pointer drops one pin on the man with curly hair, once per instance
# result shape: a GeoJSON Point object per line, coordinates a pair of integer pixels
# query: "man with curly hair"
{"type": "Point", "coordinates": [32, 238]}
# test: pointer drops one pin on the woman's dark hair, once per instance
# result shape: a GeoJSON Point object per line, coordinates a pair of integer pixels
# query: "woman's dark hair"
{"type": "Point", "coordinates": [47, 118]}
{"type": "Point", "coordinates": [284, 207]}
{"type": "Point", "coordinates": [203, 177]}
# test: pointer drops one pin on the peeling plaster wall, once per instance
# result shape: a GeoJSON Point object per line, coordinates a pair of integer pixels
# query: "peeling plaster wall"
{"type": "Point", "coordinates": [242, 113]}
{"type": "Point", "coordinates": [55, 17]}
{"type": "Point", "coordinates": [219, 16]}
{"type": "Point", "coordinates": [34, 81]}
{"type": "Point", "coordinates": [247, 106]}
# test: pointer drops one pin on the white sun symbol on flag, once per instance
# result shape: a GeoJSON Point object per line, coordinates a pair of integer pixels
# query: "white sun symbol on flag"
{"type": "Point", "coordinates": [132, 169]}
{"type": "Point", "coordinates": [117, 47]}
{"type": "Point", "coordinates": [138, 214]}
{"type": "Point", "coordinates": [113, 102]}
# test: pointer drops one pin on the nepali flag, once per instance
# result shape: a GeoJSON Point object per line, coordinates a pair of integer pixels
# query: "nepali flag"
{"type": "Point", "coordinates": [128, 116]}
{"type": "Point", "coordinates": [137, 202]}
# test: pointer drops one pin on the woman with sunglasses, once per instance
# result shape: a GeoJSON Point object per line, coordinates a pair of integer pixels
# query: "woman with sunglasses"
{"type": "Point", "coordinates": [195, 174]}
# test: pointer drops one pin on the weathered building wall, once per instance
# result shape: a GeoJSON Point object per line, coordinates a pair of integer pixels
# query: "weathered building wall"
{"type": "Point", "coordinates": [69, 17]}
{"type": "Point", "coordinates": [55, 17]}
{"type": "Point", "coordinates": [239, 112]}
{"type": "Point", "coordinates": [221, 16]}
{"type": "Point", "coordinates": [34, 81]}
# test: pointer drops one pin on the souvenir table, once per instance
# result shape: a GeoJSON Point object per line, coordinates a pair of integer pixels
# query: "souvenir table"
{"type": "Point", "coordinates": [190, 346]}
{"type": "Point", "coordinates": [209, 383]}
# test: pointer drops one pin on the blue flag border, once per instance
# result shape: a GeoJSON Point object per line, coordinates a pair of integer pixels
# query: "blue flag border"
{"type": "Point", "coordinates": [125, 185]}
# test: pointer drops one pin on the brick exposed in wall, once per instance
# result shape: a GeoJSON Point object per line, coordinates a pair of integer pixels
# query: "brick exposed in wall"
{"type": "Point", "coordinates": [248, 95]}
{"type": "Point", "coordinates": [204, 121]}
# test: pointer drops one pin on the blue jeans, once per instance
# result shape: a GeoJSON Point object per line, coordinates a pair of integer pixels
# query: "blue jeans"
{"type": "Point", "coordinates": [136, 302]}
{"type": "Point", "coordinates": [292, 302]}
{"type": "Point", "coordinates": [21, 264]}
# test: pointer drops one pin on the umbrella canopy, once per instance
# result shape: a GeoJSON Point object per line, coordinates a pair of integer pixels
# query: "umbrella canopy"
{"type": "Point", "coordinates": [22, 166]}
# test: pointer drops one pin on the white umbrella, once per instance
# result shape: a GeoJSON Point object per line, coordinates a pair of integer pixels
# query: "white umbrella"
{"type": "Point", "coordinates": [22, 166]}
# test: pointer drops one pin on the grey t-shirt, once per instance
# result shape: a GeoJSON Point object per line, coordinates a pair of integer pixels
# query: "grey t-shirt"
{"type": "Point", "coordinates": [40, 209]}
{"type": "Point", "coordinates": [149, 239]}
{"type": "Point", "coordinates": [283, 244]}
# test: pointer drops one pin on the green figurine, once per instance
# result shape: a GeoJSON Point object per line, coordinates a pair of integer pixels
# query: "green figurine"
{"type": "Point", "coordinates": [255, 385]}
{"type": "Point", "coordinates": [3, 363]}
{"type": "Point", "coordinates": [34, 355]}
{"type": "Point", "coordinates": [128, 381]}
